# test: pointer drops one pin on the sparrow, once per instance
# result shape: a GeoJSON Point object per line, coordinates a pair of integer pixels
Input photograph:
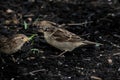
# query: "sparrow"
{"type": "Point", "coordinates": [12, 44]}
{"type": "Point", "coordinates": [61, 38]}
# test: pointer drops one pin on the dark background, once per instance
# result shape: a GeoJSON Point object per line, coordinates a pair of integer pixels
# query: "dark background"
{"type": "Point", "coordinates": [34, 60]}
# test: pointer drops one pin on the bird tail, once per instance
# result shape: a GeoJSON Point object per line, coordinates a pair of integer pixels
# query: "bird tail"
{"type": "Point", "coordinates": [94, 43]}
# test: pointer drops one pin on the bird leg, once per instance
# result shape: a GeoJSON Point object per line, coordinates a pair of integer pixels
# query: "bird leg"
{"type": "Point", "coordinates": [13, 58]}
{"type": "Point", "coordinates": [60, 54]}
{"type": "Point", "coordinates": [3, 61]}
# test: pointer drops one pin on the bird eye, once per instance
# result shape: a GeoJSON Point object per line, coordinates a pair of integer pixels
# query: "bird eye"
{"type": "Point", "coordinates": [22, 38]}
{"type": "Point", "coordinates": [46, 29]}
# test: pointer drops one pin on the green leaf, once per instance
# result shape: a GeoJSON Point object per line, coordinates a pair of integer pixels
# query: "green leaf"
{"type": "Point", "coordinates": [32, 36]}
{"type": "Point", "coordinates": [35, 50]}
{"type": "Point", "coordinates": [25, 25]}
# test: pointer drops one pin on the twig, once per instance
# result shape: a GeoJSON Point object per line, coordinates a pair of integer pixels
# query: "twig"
{"type": "Point", "coordinates": [71, 24]}
{"type": "Point", "coordinates": [35, 71]}
{"type": "Point", "coordinates": [118, 53]}
{"type": "Point", "coordinates": [96, 78]}
{"type": "Point", "coordinates": [75, 24]}
{"type": "Point", "coordinates": [115, 35]}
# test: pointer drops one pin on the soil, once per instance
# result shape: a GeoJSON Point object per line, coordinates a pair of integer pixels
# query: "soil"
{"type": "Point", "coordinates": [101, 23]}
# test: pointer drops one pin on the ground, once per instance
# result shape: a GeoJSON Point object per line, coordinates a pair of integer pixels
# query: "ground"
{"type": "Point", "coordinates": [101, 23]}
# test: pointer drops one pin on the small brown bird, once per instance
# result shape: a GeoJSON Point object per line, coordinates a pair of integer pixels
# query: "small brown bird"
{"type": "Point", "coordinates": [12, 44]}
{"type": "Point", "coordinates": [61, 38]}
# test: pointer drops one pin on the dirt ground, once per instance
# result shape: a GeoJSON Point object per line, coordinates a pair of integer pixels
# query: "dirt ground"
{"type": "Point", "coordinates": [101, 23]}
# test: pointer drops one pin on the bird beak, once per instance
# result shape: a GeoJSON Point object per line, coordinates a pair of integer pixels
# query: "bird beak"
{"type": "Point", "coordinates": [26, 39]}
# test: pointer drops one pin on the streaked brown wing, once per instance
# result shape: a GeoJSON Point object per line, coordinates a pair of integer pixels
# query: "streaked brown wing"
{"type": "Point", "coordinates": [7, 42]}
{"type": "Point", "coordinates": [63, 35]}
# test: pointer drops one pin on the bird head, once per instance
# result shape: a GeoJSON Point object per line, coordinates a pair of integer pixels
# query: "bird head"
{"type": "Point", "coordinates": [45, 26]}
{"type": "Point", "coordinates": [21, 37]}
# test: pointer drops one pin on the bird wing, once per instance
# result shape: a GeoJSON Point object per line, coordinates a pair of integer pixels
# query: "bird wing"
{"type": "Point", "coordinates": [63, 35]}
{"type": "Point", "coordinates": [5, 42]}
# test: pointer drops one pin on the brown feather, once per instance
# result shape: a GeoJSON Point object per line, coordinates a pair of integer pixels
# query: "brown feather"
{"type": "Point", "coordinates": [63, 35]}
